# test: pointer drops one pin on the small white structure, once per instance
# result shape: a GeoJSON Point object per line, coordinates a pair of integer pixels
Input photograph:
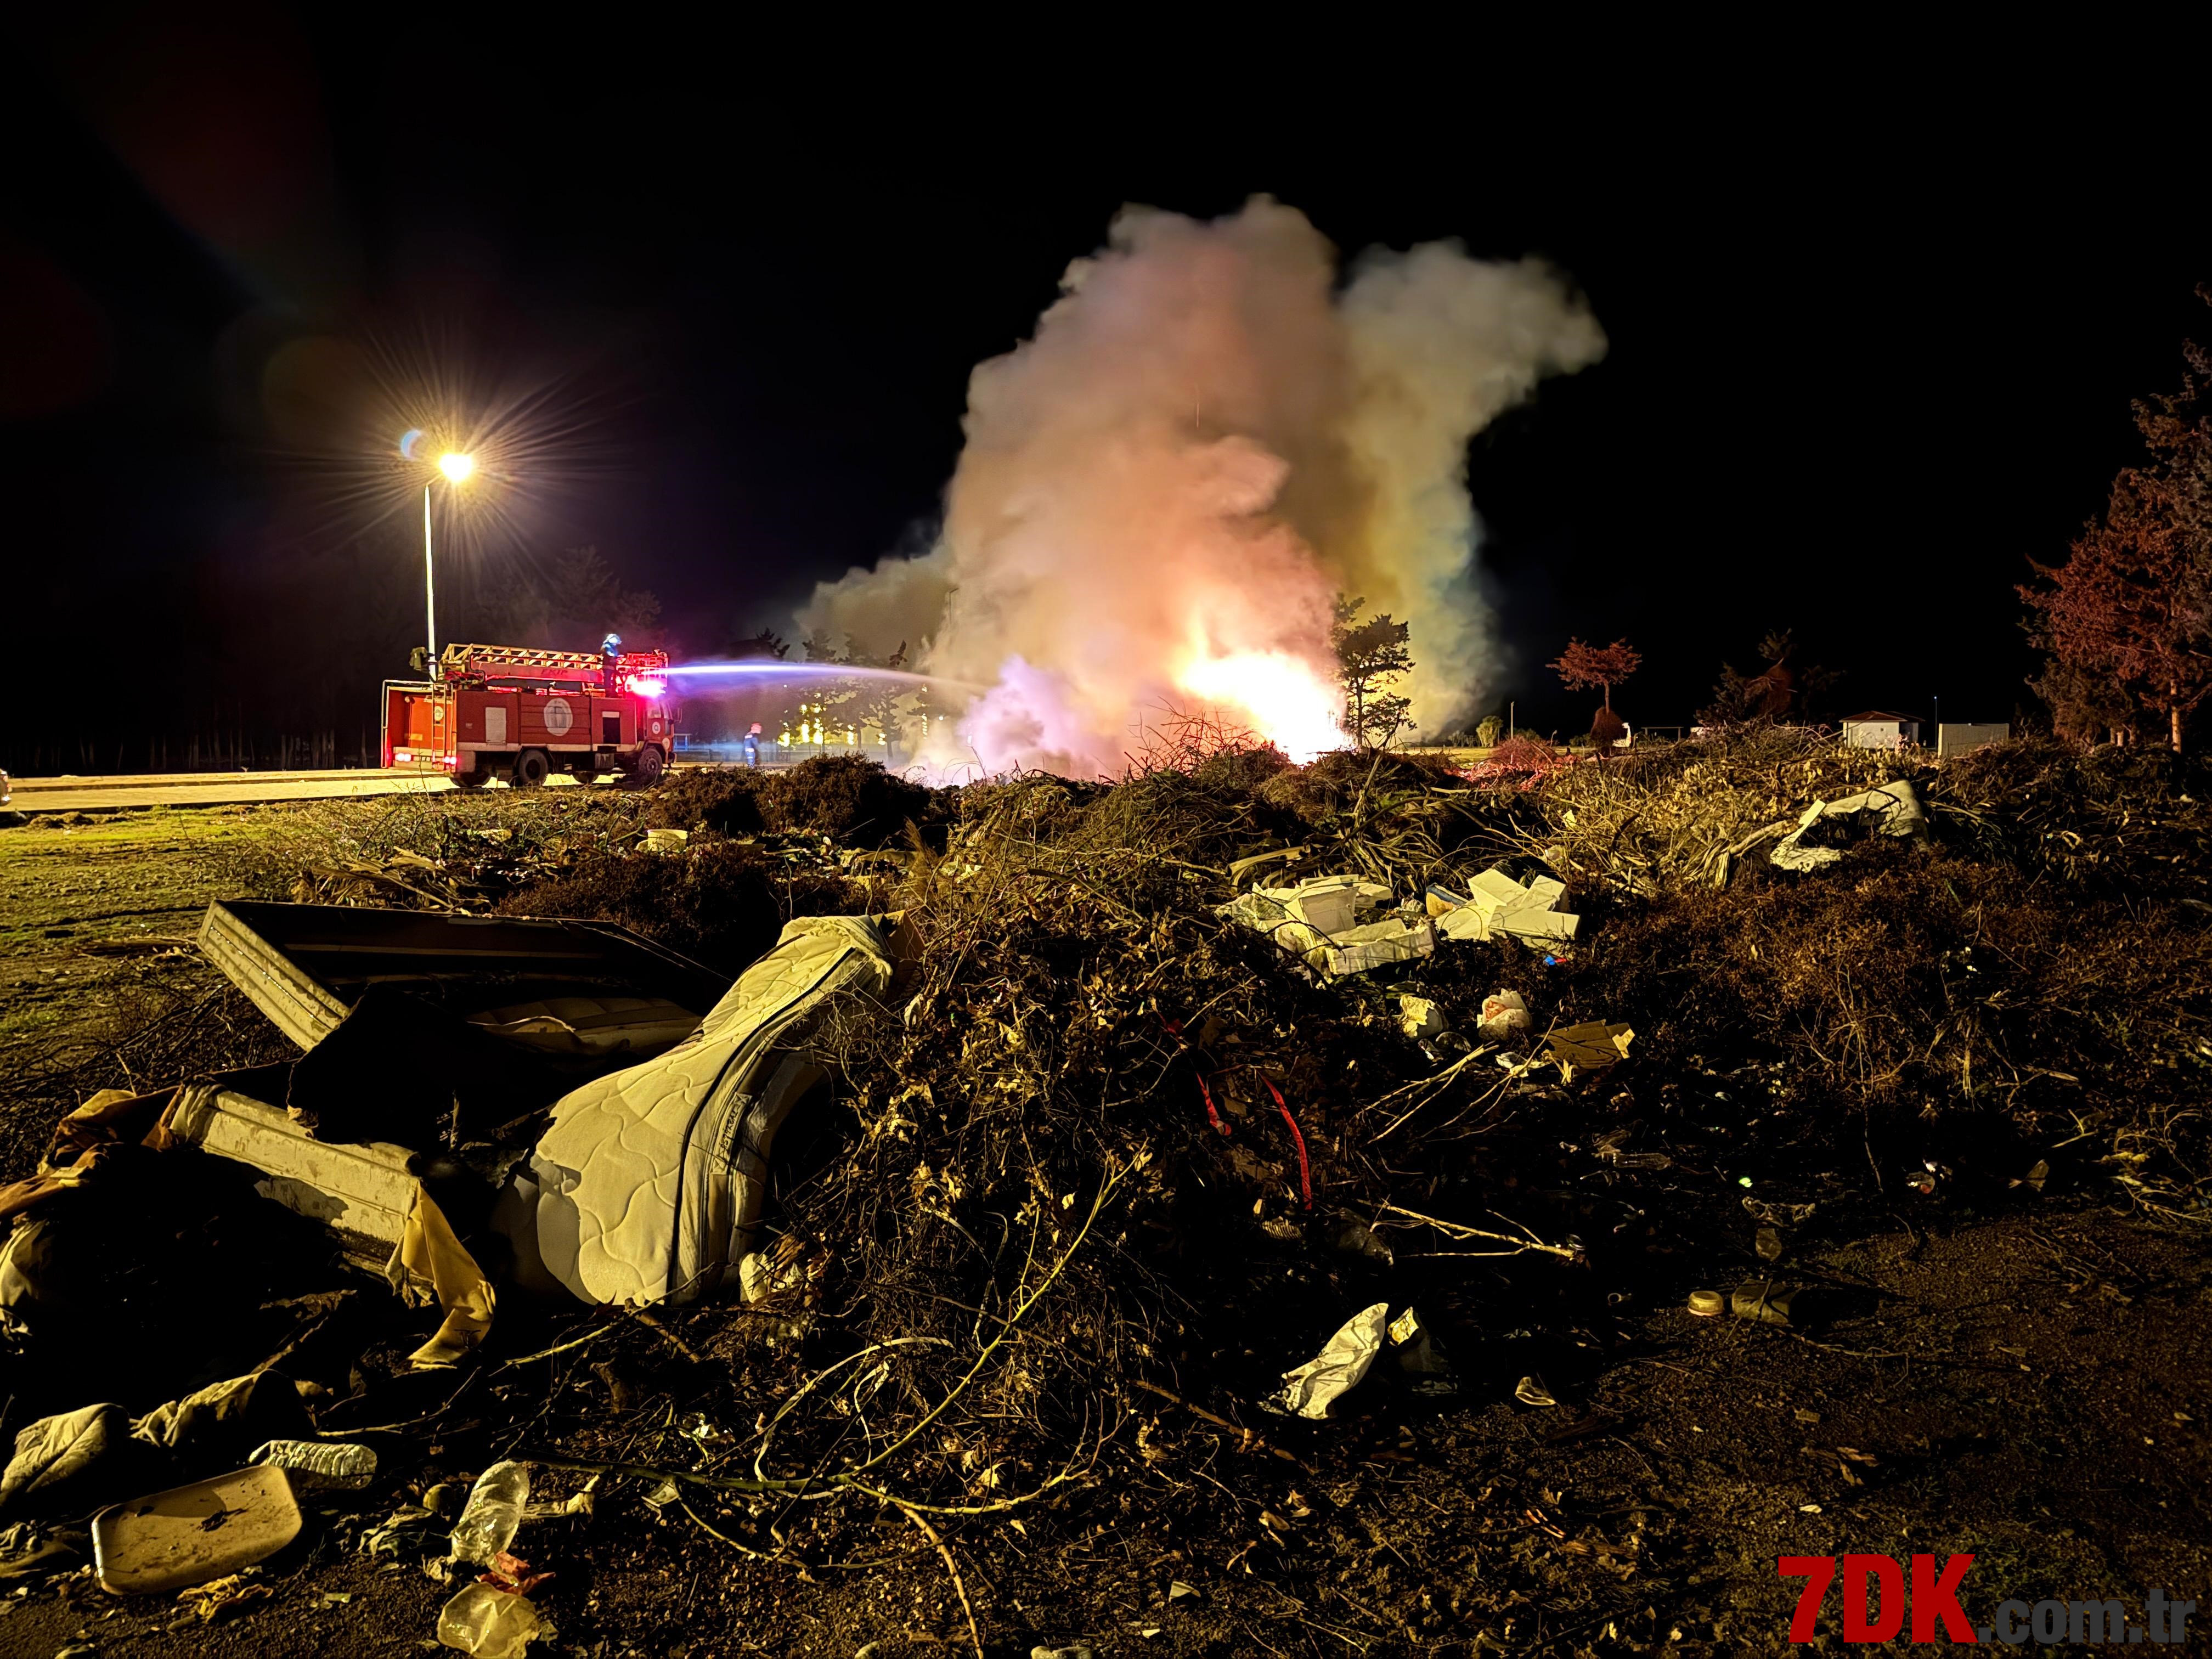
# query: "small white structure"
{"type": "Point", "coordinates": [1956, 740]}
{"type": "Point", "coordinates": [1877, 730]}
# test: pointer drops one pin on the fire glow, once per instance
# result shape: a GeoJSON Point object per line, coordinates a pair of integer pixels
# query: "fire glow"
{"type": "Point", "coordinates": [1208, 440]}
{"type": "Point", "coordinates": [1278, 698]}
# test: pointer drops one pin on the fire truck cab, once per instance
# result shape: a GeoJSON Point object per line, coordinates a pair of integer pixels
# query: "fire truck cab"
{"type": "Point", "coordinates": [495, 711]}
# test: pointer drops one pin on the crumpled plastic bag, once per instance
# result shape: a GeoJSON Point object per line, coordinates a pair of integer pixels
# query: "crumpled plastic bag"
{"type": "Point", "coordinates": [1314, 1387]}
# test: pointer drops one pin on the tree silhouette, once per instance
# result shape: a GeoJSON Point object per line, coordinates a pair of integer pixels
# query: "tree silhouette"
{"type": "Point", "coordinates": [1369, 658]}
{"type": "Point", "coordinates": [2130, 611]}
{"type": "Point", "coordinates": [1586, 666]}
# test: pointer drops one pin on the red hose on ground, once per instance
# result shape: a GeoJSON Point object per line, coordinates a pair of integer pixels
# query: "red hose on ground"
{"type": "Point", "coordinates": [1305, 1170]}
{"type": "Point", "coordinates": [1211, 1116]}
{"type": "Point", "coordinates": [1175, 1030]}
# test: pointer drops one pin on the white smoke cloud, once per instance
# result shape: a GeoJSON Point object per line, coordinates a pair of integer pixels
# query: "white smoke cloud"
{"type": "Point", "coordinates": [1162, 491]}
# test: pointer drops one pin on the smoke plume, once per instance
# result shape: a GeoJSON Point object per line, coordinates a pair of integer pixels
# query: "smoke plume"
{"type": "Point", "coordinates": [1163, 492]}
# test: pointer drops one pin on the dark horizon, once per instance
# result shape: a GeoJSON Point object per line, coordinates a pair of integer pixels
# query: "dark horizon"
{"type": "Point", "coordinates": [1862, 371]}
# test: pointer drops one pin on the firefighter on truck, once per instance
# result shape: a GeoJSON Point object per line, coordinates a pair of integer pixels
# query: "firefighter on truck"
{"type": "Point", "coordinates": [520, 714]}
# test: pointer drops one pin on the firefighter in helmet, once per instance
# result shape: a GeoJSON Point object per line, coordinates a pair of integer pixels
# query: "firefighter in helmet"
{"type": "Point", "coordinates": [610, 665]}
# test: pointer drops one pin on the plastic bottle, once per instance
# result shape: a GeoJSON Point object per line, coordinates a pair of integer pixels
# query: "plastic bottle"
{"type": "Point", "coordinates": [492, 1512]}
{"type": "Point", "coordinates": [315, 1464]}
{"type": "Point", "coordinates": [492, 1624]}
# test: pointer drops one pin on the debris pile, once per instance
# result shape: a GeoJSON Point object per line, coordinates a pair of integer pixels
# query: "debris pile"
{"type": "Point", "coordinates": [846, 1150]}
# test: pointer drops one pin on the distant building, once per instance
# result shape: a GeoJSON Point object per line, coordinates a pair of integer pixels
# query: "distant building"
{"type": "Point", "coordinates": [1952, 739]}
{"type": "Point", "coordinates": [1877, 730]}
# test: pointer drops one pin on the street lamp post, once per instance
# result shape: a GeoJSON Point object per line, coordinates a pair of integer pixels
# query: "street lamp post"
{"type": "Point", "coordinates": [457, 467]}
{"type": "Point", "coordinates": [429, 588]}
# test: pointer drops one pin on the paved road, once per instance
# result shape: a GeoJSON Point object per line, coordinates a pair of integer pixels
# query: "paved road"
{"type": "Point", "coordinates": [71, 793]}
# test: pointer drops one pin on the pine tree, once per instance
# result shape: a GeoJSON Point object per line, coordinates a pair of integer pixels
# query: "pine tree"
{"type": "Point", "coordinates": [1370, 657]}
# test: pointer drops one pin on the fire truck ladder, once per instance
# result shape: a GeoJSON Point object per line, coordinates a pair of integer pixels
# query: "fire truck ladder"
{"type": "Point", "coordinates": [521, 662]}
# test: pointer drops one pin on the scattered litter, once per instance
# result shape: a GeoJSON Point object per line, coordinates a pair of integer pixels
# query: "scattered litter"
{"type": "Point", "coordinates": [512, 1574]}
{"type": "Point", "coordinates": [1320, 922]}
{"type": "Point", "coordinates": [1531, 1390]}
{"type": "Point", "coordinates": [1777, 1215]}
{"type": "Point", "coordinates": [1421, 1357]}
{"type": "Point", "coordinates": [1497, 906]}
{"type": "Point", "coordinates": [1590, 1047]}
{"type": "Point", "coordinates": [1420, 1016]}
{"type": "Point", "coordinates": [28, 1552]}
{"type": "Point", "coordinates": [318, 1465]}
{"type": "Point", "coordinates": [1312, 1389]}
{"type": "Point", "coordinates": [1379, 945]}
{"type": "Point", "coordinates": [490, 1623]}
{"type": "Point", "coordinates": [190, 1535]}
{"type": "Point", "coordinates": [2036, 1176]}
{"type": "Point", "coordinates": [492, 1512]}
{"type": "Point", "coordinates": [1764, 1300]}
{"type": "Point", "coordinates": [224, 1598]}
{"type": "Point", "coordinates": [1180, 1592]}
{"type": "Point", "coordinates": [1357, 1238]}
{"type": "Point", "coordinates": [405, 1532]}
{"type": "Point", "coordinates": [1504, 1015]}
{"type": "Point", "coordinates": [57, 1459]}
{"type": "Point", "coordinates": [1768, 1242]}
{"type": "Point", "coordinates": [78, 1461]}
{"type": "Point", "coordinates": [1707, 1304]}
{"type": "Point", "coordinates": [1077, 1651]}
{"type": "Point", "coordinates": [667, 841]}
{"type": "Point", "coordinates": [1611, 1146]}
{"type": "Point", "coordinates": [1891, 810]}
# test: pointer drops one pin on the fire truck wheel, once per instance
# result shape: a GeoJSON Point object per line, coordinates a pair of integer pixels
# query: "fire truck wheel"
{"type": "Point", "coordinates": [648, 767]}
{"type": "Point", "coordinates": [530, 767]}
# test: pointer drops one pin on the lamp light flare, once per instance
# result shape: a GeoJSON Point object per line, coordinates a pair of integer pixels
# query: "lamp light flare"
{"type": "Point", "coordinates": [456, 466]}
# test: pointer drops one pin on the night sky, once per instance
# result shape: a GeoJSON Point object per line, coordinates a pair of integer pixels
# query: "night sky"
{"type": "Point", "coordinates": [1871, 345]}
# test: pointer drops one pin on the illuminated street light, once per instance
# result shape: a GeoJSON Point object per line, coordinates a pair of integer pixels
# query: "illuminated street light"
{"type": "Point", "coordinates": [459, 468]}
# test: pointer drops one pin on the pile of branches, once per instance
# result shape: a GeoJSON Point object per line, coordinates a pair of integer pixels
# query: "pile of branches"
{"type": "Point", "coordinates": [1080, 1154]}
{"type": "Point", "coordinates": [2037, 975]}
{"type": "Point", "coordinates": [1098, 1123]}
{"type": "Point", "coordinates": [1104, 1162]}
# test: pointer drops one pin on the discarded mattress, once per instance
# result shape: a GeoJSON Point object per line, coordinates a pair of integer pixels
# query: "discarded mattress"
{"type": "Point", "coordinates": [649, 1184]}
{"type": "Point", "coordinates": [588, 987]}
{"type": "Point", "coordinates": [1498, 907]}
{"type": "Point", "coordinates": [1891, 810]}
{"type": "Point", "coordinates": [360, 1190]}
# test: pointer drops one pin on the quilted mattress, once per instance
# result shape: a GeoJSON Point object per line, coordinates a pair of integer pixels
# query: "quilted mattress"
{"type": "Point", "coordinates": [650, 1182]}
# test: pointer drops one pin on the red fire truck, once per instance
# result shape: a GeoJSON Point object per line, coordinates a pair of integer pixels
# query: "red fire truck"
{"type": "Point", "coordinates": [497, 711]}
